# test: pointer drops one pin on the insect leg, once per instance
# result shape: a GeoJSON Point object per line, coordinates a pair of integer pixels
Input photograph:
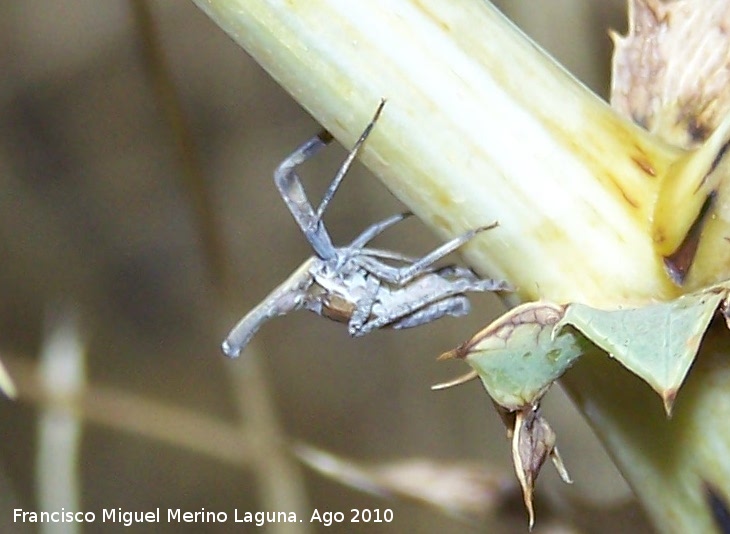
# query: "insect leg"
{"type": "Point", "coordinates": [456, 271]}
{"type": "Point", "coordinates": [428, 299]}
{"type": "Point", "coordinates": [455, 306]}
{"type": "Point", "coordinates": [418, 312]}
{"type": "Point", "coordinates": [403, 275]}
{"type": "Point", "coordinates": [378, 228]}
{"type": "Point", "coordinates": [379, 254]}
{"type": "Point", "coordinates": [473, 282]}
{"type": "Point", "coordinates": [364, 307]}
{"type": "Point", "coordinates": [291, 190]}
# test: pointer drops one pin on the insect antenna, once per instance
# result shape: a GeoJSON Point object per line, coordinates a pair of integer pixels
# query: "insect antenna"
{"type": "Point", "coordinates": [332, 189]}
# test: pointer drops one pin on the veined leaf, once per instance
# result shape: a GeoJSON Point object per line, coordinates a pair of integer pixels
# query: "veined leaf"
{"type": "Point", "coordinates": [517, 357]}
{"type": "Point", "coordinates": [657, 342]}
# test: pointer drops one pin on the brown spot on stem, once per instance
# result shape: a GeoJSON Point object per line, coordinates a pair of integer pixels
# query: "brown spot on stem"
{"type": "Point", "coordinates": [720, 154]}
{"type": "Point", "coordinates": [433, 16]}
{"type": "Point", "coordinates": [718, 507]}
{"type": "Point", "coordinates": [644, 165]}
{"type": "Point", "coordinates": [679, 262]}
{"type": "Point", "coordinates": [628, 199]}
{"type": "Point", "coordinates": [698, 131]}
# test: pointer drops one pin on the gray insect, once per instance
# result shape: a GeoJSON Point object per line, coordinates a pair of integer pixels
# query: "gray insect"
{"type": "Point", "coordinates": [354, 284]}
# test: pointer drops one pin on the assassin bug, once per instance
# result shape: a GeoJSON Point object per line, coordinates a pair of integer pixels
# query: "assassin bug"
{"type": "Point", "coordinates": [354, 284]}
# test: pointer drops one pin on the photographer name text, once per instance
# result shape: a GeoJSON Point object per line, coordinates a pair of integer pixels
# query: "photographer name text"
{"type": "Point", "coordinates": [176, 515]}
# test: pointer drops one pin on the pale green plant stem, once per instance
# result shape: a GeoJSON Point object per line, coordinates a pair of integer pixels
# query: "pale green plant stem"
{"type": "Point", "coordinates": [480, 126]}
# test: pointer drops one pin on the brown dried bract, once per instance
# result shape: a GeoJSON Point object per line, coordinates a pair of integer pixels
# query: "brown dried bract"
{"type": "Point", "coordinates": [533, 442]}
{"type": "Point", "coordinates": [671, 73]}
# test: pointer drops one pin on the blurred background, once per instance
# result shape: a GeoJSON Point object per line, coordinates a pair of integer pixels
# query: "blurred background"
{"type": "Point", "coordinates": [139, 222]}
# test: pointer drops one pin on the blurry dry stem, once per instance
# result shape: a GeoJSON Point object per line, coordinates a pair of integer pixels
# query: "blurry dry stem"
{"type": "Point", "coordinates": [464, 490]}
{"type": "Point", "coordinates": [62, 374]}
{"type": "Point", "coordinates": [254, 444]}
{"type": "Point", "coordinates": [280, 481]}
{"type": "Point", "coordinates": [191, 175]}
{"type": "Point", "coordinates": [7, 386]}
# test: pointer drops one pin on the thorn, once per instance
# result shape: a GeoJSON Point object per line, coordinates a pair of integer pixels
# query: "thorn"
{"type": "Point", "coordinates": [668, 397]}
{"type": "Point", "coordinates": [463, 379]}
{"type": "Point", "coordinates": [459, 353]}
{"type": "Point", "coordinates": [453, 354]}
{"type": "Point", "coordinates": [560, 466]}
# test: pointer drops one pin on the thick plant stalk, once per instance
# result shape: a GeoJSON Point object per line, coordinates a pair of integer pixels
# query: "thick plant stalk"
{"type": "Point", "coordinates": [480, 126]}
